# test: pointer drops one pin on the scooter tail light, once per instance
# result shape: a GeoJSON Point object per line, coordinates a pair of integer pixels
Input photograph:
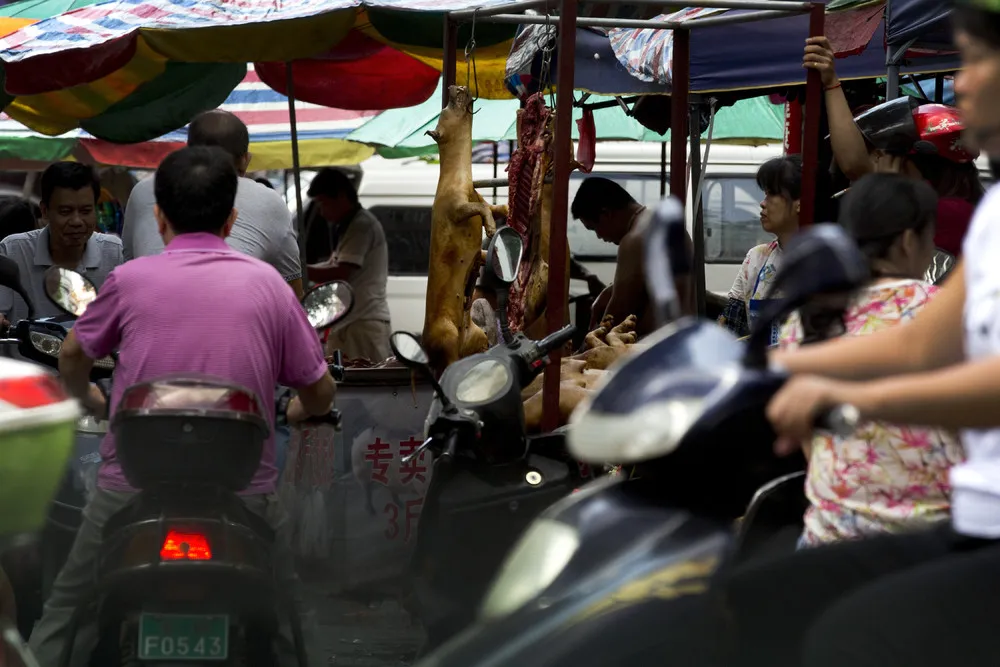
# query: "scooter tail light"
{"type": "Point", "coordinates": [185, 546]}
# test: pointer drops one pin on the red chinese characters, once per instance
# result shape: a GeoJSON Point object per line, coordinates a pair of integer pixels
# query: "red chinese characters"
{"type": "Point", "coordinates": [380, 456]}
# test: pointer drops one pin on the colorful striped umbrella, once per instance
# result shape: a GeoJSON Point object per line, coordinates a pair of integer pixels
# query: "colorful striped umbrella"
{"type": "Point", "coordinates": [321, 131]}
{"type": "Point", "coordinates": [131, 70]}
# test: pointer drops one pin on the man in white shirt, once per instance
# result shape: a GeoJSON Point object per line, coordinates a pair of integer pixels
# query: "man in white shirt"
{"type": "Point", "coordinates": [361, 257]}
{"type": "Point", "coordinates": [70, 191]}
{"type": "Point", "coordinates": [263, 227]}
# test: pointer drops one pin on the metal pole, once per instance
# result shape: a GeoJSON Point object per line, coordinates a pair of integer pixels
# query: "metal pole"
{"type": "Point", "coordinates": [679, 115]}
{"type": "Point", "coordinates": [698, 228]}
{"type": "Point", "coordinates": [299, 216]}
{"type": "Point", "coordinates": [482, 12]}
{"type": "Point", "coordinates": [810, 134]}
{"type": "Point", "coordinates": [558, 287]}
{"type": "Point", "coordinates": [939, 88]}
{"type": "Point", "coordinates": [892, 82]}
{"type": "Point", "coordinates": [448, 62]}
{"type": "Point", "coordinates": [663, 169]}
{"type": "Point", "coordinates": [496, 160]}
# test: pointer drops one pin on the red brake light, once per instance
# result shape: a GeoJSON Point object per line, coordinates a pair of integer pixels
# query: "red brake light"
{"type": "Point", "coordinates": [185, 546]}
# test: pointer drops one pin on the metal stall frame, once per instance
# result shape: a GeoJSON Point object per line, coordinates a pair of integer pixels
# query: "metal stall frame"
{"type": "Point", "coordinates": [567, 21]}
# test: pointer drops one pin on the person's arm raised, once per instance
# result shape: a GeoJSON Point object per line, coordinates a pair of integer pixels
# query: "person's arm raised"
{"type": "Point", "coordinates": [849, 147]}
{"type": "Point", "coordinates": [932, 340]}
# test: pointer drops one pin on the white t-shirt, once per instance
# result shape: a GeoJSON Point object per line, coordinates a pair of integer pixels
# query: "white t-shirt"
{"type": "Point", "coordinates": [976, 483]}
{"type": "Point", "coordinates": [363, 244]}
{"type": "Point", "coordinates": [263, 227]}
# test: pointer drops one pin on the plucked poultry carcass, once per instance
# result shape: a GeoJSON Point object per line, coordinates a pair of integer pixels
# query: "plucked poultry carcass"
{"type": "Point", "coordinates": [580, 373]}
{"type": "Point", "coordinates": [458, 217]}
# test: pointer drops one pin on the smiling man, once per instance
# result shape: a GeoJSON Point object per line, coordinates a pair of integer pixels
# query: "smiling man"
{"type": "Point", "coordinates": [70, 191]}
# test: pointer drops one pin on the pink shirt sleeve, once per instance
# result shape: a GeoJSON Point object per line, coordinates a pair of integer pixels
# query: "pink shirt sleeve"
{"type": "Point", "coordinates": [302, 360]}
{"type": "Point", "coordinates": [98, 330]}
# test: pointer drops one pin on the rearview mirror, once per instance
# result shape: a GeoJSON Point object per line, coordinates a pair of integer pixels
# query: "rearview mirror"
{"type": "Point", "coordinates": [70, 291]}
{"type": "Point", "coordinates": [665, 254]}
{"type": "Point", "coordinates": [821, 259]}
{"type": "Point", "coordinates": [503, 256]}
{"type": "Point", "coordinates": [10, 277]}
{"type": "Point", "coordinates": [408, 350]}
{"type": "Point", "coordinates": [328, 303]}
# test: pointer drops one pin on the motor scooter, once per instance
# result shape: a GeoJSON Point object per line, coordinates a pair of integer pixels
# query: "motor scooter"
{"type": "Point", "coordinates": [185, 572]}
{"type": "Point", "coordinates": [600, 575]}
{"type": "Point", "coordinates": [489, 479]}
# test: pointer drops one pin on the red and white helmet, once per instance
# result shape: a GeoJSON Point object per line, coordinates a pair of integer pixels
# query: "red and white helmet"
{"type": "Point", "coordinates": [904, 126]}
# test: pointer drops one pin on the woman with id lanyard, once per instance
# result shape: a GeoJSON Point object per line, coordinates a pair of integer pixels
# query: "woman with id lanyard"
{"type": "Point", "coordinates": [781, 180]}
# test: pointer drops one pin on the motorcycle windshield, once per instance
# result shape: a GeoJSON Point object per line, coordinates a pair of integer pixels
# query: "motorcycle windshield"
{"type": "Point", "coordinates": [649, 402]}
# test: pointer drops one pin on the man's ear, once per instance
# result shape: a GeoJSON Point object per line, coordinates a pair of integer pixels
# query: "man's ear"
{"type": "Point", "coordinates": [43, 211]}
{"type": "Point", "coordinates": [245, 163]}
{"type": "Point", "coordinates": [228, 227]}
{"type": "Point", "coordinates": [162, 225]}
{"type": "Point", "coordinates": [798, 206]}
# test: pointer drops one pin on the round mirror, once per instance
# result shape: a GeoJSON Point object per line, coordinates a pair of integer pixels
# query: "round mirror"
{"type": "Point", "coordinates": [504, 254]}
{"type": "Point", "coordinates": [69, 290]}
{"type": "Point", "coordinates": [328, 303]}
{"type": "Point", "coordinates": [407, 349]}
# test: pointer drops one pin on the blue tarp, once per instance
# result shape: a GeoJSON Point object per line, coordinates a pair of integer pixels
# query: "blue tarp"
{"type": "Point", "coordinates": [927, 21]}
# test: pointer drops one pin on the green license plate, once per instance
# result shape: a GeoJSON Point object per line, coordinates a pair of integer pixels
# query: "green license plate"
{"type": "Point", "coordinates": [182, 637]}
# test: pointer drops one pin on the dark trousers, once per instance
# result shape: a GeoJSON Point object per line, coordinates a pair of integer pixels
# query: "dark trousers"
{"type": "Point", "coordinates": [929, 598]}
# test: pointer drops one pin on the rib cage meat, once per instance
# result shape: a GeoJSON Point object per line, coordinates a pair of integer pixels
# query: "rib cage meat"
{"type": "Point", "coordinates": [526, 174]}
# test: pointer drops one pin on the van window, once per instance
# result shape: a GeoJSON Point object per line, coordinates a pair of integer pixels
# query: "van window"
{"type": "Point", "coordinates": [732, 218]}
{"type": "Point", "coordinates": [408, 237]}
{"type": "Point", "coordinates": [583, 243]}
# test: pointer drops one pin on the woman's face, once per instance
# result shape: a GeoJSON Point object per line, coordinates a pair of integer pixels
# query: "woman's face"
{"type": "Point", "coordinates": [977, 87]}
{"type": "Point", "coordinates": [779, 214]}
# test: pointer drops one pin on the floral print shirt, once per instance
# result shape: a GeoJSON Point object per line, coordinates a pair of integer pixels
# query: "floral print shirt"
{"type": "Point", "coordinates": [884, 478]}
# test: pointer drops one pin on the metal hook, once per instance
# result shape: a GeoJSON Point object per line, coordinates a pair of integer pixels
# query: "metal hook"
{"type": "Point", "coordinates": [471, 75]}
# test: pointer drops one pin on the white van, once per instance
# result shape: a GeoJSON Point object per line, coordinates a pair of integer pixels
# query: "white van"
{"type": "Point", "coordinates": [401, 192]}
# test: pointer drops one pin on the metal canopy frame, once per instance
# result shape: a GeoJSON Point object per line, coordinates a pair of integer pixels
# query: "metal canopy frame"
{"type": "Point", "coordinates": [563, 14]}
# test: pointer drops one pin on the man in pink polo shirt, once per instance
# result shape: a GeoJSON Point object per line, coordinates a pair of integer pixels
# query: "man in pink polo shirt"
{"type": "Point", "coordinates": [199, 307]}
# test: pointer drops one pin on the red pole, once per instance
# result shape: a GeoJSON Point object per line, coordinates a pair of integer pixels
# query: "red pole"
{"type": "Point", "coordinates": [679, 114]}
{"type": "Point", "coordinates": [448, 62]}
{"type": "Point", "coordinates": [810, 138]}
{"type": "Point", "coordinates": [558, 288]}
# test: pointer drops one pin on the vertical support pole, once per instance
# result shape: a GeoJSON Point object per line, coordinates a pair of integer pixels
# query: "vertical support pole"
{"type": "Point", "coordinates": [448, 61]}
{"type": "Point", "coordinates": [296, 172]}
{"type": "Point", "coordinates": [939, 88]}
{"type": "Point", "coordinates": [663, 169]}
{"type": "Point", "coordinates": [891, 82]}
{"type": "Point", "coordinates": [810, 135]}
{"type": "Point", "coordinates": [558, 287]}
{"type": "Point", "coordinates": [698, 228]}
{"type": "Point", "coordinates": [679, 115]}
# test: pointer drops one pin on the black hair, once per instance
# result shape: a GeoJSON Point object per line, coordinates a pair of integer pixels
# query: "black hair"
{"type": "Point", "coordinates": [982, 24]}
{"type": "Point", "coordinates": [597, 194]}
{"type": "Point", "coordinates": [196, 188]}
{"type": "Point", "coordinates": [16, 216]}
{"type": "Point", "coordinates": [332, 182]}
{"type": "Point", "coordinates": [263, 181]}
{"type": "Point", "coordinates": [950, 179]}
{"type": "Point", "coordinates": [220, 128]}
{"type": "Point", "coordinates": [877, 209]}
{"type": "Point", "coordinates": [781, 176]}
{"type": "Point", "coordinates": [70, 176]}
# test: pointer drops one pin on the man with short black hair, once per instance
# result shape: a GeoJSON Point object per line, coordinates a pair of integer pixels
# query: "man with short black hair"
{"type": "Point", "coordinates": [198, 308]}
{"type": "Point", "coordinates": [263, 227]}
{"type": "Point", "coordinates": [361, 257]}
{"type": "Point", "coordinates": [70, 191]}
{"type": "Point", "coordinates": [607, 209]}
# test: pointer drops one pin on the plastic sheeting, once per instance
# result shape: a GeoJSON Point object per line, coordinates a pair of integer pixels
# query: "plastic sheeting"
{"type": "Point", "coordinates": [354, 505]}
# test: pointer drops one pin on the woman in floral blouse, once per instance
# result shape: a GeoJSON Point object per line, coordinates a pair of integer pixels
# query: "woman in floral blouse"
{"type": "Point", "coordinates": [884, 478]}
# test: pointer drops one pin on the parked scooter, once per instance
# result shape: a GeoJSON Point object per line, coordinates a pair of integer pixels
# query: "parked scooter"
{"type": "Point", "coordinates": [489, 479]}
{"type": "Point", "coordinates": [599, 575]}
{"type": "Point", "coordinates": [184, 573]}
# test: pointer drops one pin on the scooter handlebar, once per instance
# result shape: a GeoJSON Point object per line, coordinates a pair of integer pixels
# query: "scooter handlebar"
{"type": "Point", "coordinates": [555, 340]}
{"type": "Point", "coordinates": [841, 420]}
